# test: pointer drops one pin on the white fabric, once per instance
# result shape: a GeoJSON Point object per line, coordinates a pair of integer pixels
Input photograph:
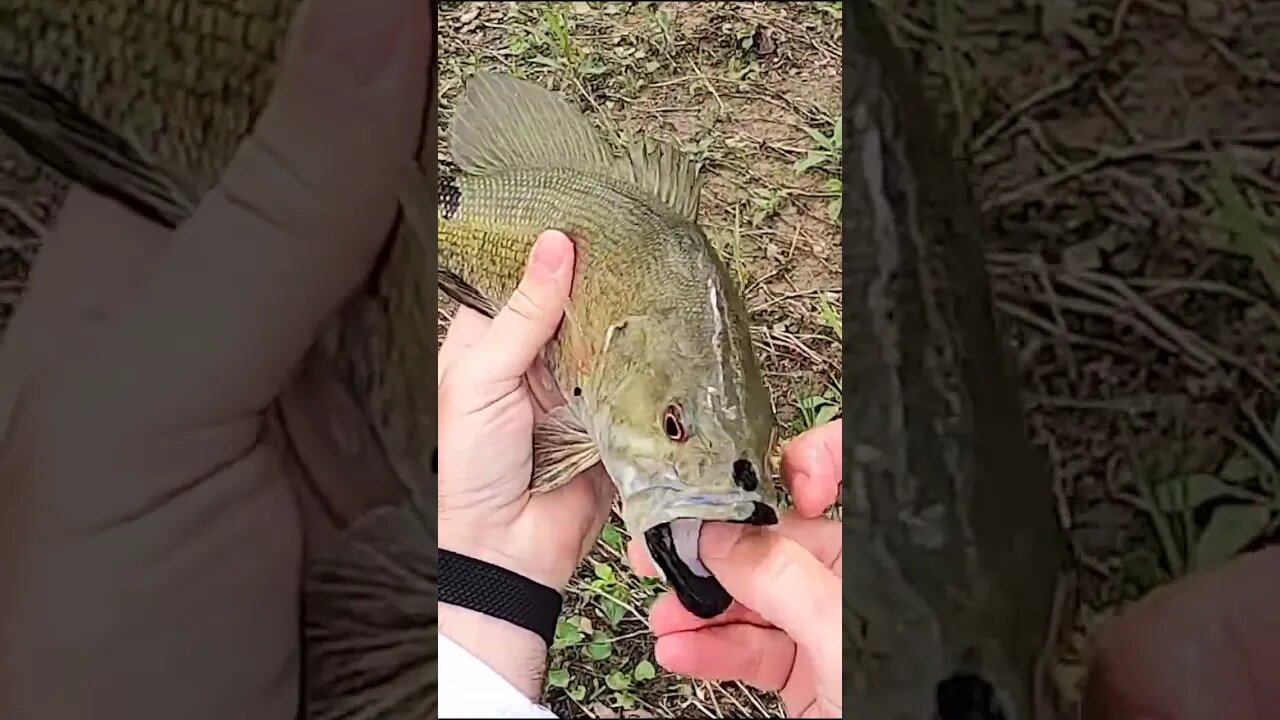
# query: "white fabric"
{"type": "Point", "coordinates": [471, 689]}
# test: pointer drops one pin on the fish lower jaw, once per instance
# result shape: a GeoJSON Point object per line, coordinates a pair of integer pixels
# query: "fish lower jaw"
{"type": "Point", "coordinates": [686, 533]}
{"type": "Point", "coordinates": [655, 506]}
{"type": "Point", "coordinates": [674, 549]}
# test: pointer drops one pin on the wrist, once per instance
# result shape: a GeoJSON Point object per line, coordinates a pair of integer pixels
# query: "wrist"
{"type": "Point", "coordinates": [510, 551]}
{"type": "Point", "coordinates": [516, 654]}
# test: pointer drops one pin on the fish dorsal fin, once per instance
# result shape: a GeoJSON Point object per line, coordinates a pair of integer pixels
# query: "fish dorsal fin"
{"type": "Point", "coordinates": [663, 171]}
{"type": "Point", "coordinates": [504, 122]}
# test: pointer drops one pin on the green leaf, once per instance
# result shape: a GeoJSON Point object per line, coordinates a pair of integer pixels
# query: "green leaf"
{"type": "Point", "coordinates": [823, 141]}
{"type": "Point", "coordinates": [558, 677]}
{"type": "Point", "coordinates": [604, 572]}
{"type": "Point", "coordinates": [567, 634]}
{"type": "Point", "coordinates": [1240, 467]}
{"type": "Point", "coordinates": [644, 671]}
{"type": "Point", "coordinates": [613, 611]}
{"type": "Point", "coordinates": [826, 414]}
{"type": "Point", "coordinates": [617, 681]}
{"type": "Point", "coordinates": [578, 693]}
{"type": "Point", "coordinates": [1231, 528]}
{"type": "Point", "coordinates": [1188, 493]}
{"type": "Point", "coordinates": [612, 537]}
{"type": "Point", "coordinates": [813, 160]}
{"type": "Point", "coordinates": [1248, 224]}
{"type": "Point", "coordinates": [600, 650]}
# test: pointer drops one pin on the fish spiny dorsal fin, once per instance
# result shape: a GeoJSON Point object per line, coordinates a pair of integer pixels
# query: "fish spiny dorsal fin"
{"type": "Point", "coordinates": [663, 171]}
{"type": "Point", "coordinates": [503, 122]}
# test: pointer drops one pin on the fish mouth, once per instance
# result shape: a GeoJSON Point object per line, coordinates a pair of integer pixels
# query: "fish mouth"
{"type": "Point", "coordinates": [674, 548]}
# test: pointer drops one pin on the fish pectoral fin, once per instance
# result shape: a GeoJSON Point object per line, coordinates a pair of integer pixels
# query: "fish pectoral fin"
{"type": "Point", "coordinates": [503, 122]}
{"type": "Point", "coordinates": [464, 292]}
{"type": "Point", "coordinates": [661, 170]}
{"type": "Point", "coordinates": [562, 450]}
{"type": "Point", "coordinates": [334, 443]}
{"type": "Point", "coordinates": [370, 618]}
{"type": "Point", "coordinates": [56, 131]}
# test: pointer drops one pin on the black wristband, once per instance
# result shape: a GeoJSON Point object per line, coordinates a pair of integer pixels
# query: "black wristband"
{"type": "Point", "coordinates": [499, 593]}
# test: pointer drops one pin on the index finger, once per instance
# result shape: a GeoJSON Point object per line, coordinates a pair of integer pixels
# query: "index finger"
{"type": "Point", "coordinates": [811, 468]}
{"type": "Point", "coordinates": [780, 580]}
{"type": "Point", "coordinates": [820, 536]}
{"type": "Point", "coordinates": [1204, 647]}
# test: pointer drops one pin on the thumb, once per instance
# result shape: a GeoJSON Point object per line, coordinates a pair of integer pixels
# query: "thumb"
{"type": "Point", "coordinates": [1202, 648]}
{"type": "Point", "coordinates": [292, 227]}
{"type": "Point", "coordinates": [530, 318]}
{"type": "Point", "coordinates": [781, 581]}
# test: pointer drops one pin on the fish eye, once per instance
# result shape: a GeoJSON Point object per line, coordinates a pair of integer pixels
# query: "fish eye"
{"type": "Point", "coordinates": [673, 425]}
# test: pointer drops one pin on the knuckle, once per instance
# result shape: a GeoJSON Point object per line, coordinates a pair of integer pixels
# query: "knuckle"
{"type": "Point", "coordinates": [781, 567]}
{"type": "Point", "coordinates": [528, 306]}
{"type": "Point", "coordinates": [790, 575]}
{"type": "Point", "coordinates": [260, 183]}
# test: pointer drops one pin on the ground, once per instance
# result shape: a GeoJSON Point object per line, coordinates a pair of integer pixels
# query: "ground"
{"type": "Point", "coordinates": [753, 92]}
{"type": "Point", "coordinates": [1124, 152]}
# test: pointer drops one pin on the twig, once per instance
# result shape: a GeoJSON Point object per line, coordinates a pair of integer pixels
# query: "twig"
{"type": "Point", "coordinates": [1111, 155]}
{"type": "Point", "coordinates": [24, 216]}
{"type": "Point", "coordinates": [1041, 95]}
{"type": "Point", "coordinates": [708, 83]}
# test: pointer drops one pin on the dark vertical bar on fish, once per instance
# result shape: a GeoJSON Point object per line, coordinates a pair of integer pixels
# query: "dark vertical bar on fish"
{"type": "Point", "coordinates": [952, 547]}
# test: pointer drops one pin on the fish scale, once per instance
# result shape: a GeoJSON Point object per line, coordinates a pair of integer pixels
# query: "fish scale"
{"type": "Point", "coordinates": [180, 80]}
{"type": "Point", "coordinates": [491, 253]}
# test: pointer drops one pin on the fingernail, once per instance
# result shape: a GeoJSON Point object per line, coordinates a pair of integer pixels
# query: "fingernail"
{"type": "Point", "coordinates": [360, 38]}
{"type": "Point", "coordinates": [550, 254]}
{"type": "Point", "coordinates": [717, 539]}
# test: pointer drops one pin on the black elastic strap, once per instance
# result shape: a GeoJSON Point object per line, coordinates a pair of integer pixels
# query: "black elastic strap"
{"type": "Point", "coordinates": [499, 593]}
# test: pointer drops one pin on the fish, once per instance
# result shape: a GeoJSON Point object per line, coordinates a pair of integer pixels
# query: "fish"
{"type": "Point", "coordinates": [950, 527]}
{"type": "Point", "coordinates": [654, 360]}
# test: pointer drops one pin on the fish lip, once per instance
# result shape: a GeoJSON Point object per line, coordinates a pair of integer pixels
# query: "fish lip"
{"type": "Point", "coordinates": [674, 502]}
{"type": "Point", "coordinates": [705, 597]}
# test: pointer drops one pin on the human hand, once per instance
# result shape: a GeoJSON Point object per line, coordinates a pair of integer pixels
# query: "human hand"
{"type": "Point", "coordinates": [783, 631]}
{"type": "Point", "coordinates": [150, 543]}
{"type": "Point", "coordinates": [487, 412]}
{"type": "Point", "coordinates": [1203, 648]}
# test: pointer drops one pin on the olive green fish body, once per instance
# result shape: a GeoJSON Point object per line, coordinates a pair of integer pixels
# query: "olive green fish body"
{"type": "Point", "coordinates": [626, 265]}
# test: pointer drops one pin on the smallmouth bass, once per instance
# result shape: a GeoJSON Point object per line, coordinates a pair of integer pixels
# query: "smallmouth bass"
{"type": "Point", "coordinates": [654, 356]}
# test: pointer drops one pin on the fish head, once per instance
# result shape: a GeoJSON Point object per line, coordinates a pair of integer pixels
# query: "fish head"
{"type": "Point", "coordinates": [684, 426]}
